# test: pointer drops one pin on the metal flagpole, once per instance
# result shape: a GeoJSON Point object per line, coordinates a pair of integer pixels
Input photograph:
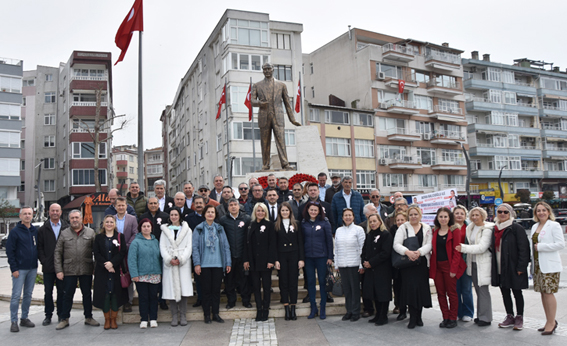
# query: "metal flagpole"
{"type": "Point", "coordinates": [228, 173]}
{"type": "Point", "coordinates": [301, 96]}
{"type": "Point", "coordinates": [141, 181]}
{"type": "Point", "coordinates": [253, 133]}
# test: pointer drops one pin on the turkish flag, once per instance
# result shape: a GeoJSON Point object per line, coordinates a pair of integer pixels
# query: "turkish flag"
{"type": "Point", "coordinates": [134, 21]}
{"type": "Point", "coordinates": [401, 85]}
{"type": "Point", "coordinates": [222, 101]}
{"type": "Point", "coordinates": [298, 98]}
{"type": "Point", "coordinates": [248, 102]}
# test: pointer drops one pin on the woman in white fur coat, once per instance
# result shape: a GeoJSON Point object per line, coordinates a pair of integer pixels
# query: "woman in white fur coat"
{"type": "Point", "coordinates": [479, 262]}
{"type": "Point", "coordinates": [175, 247]}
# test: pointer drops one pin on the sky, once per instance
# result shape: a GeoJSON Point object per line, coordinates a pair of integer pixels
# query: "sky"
{"type": "Point", "coordinates": [45, 33]}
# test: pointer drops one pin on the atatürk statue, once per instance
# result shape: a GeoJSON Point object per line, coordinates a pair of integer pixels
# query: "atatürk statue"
{"type": "Point", "coordinates": [269, 94]}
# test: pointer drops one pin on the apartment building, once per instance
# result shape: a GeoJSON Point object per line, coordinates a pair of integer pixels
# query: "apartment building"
{"type": "Point", "coordinates": [235, 51]}
{"type": "Point", "coordinates": [153, 168]}
{"type": "Point", "coordinates": [125, 167]}
{"type": "Point", "coordinates": [517, 118]}
{"type": "Point", "coordinates": [418, 130]}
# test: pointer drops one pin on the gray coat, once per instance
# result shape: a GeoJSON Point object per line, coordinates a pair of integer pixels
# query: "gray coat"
{"type": "Point", "coordinates": [74, 252]}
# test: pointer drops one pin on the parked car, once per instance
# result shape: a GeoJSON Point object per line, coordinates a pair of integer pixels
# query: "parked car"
{"type": "Point", "coordinates": [561, 215]}
{"type": "Point", "coordinates": [4, 241]}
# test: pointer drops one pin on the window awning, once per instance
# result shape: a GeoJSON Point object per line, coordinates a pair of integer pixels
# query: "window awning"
{"type": "Point", "coordinates": [532, 158]}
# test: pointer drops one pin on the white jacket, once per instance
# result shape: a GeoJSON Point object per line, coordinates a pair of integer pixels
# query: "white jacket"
{"type": "Point", "coordinates": [401, 235]}
{"type": "Point", "coordinates": [176, 280]}
{"type": "Point", "coordinates": [480, 249]}
{"type": "Point", "coordinates": [349, 241]}
{"type": "Point", "coordinates": [549, 242]}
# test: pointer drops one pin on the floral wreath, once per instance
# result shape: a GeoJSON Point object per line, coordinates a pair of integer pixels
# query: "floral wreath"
{"type": "Point", "coordinates": [297, 178]}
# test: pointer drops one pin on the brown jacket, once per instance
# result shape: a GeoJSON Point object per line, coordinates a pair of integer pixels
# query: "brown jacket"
{"type": "Point", "coordinates": [74, 252]}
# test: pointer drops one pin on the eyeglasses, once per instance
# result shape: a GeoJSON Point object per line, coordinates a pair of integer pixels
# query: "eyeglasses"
{"type": "Point", "coordinates": [374, 196]}
{"type": "Point", "coordinates": [347, 209]}
{"type": "Point", "coordinates": [503, 212]}
{"type": "Point", "coordinates": [203, 190]}
{"type": "Point", "coordinates": [243, 188]}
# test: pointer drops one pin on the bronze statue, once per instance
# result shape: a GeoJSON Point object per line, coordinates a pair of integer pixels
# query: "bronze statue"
{"type": "Point", "coordinates": [268, 94]}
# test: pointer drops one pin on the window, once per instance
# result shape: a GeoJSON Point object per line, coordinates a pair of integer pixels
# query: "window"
{"type": "Point", "coordinates": [9, 139]}
{"type": "Point", "coordinates": [455, 180]}
{"type": "Point", "coordinates": [510, 98]}
{"type": "Point", "coordinates": [494, 96]}
{"type": "Point", "coordinates": [49, 185]}
{"type": "Point", "coordinates": [83, 125]}
{"type": "Point", "coordinates": [391, 123]}
{"type": "Point", "coordinates": [289, 137]}
{"type": "Point", "coordinates": [29, 82]}
{"type": "Point", "coordinates": [50, 97]}
{"type": "Point", "coordinates": [85, 150]}
{"type": "Point", "coordinates": [548, 83]}
{"type": "Point", "coordinates": [22, 187]}
{"type": "Point", "coordinates": [314, 115]}
{"type": "Point", "coordinates": [23, 165]}
{"type": "Point", "coordinates": [362, 119]}
{"type": "Point", "coordinates": [246, 32]}
{"type": "Point", "coordinates": [237, 98]}
{"type": "Point", "coordinates": [155, 169]}
{"type": "Point", "coordinates": [243, 165]}
{"type": "Point", "coordinates": [336, 117]}
{"type": "Point", "coordinates": [423, 102]}
{"type": "Point", "coordinates": [87, 98]}
{"type": "Point", "coordinates": [48, 141]}
{"type": "Point", "coordinates": [131, 170]}
{"type": "Point", "coordinates": [282, 72]}
{"type": "Point", "coordinates": [338, 146]}
{"type": "Point", "coordinates": [49, 119]}
{"type": "Point", "coordinates": [313, 92]}
{"type": "Point", "coordinates": [502, 118]}
{"type": "Point", "coordinates": [311, 67]}
{"type": "Point", "coordinates": [11, 84]}
{"type": "Point", "coordinates": [421, 77]}
{"type": "Point", "coordinates": [365, 179]}
{"type": "Point", "coordinates": [49, 78]}
{"type": "Point", "coordinates": [513, 141]}
{"type": "Point", "coordinates": [219, 142]}
{"type": "Point", "coordinates": [341, 172]}
{"type": "Point", "coordinates": [85, 177]}
{"type": "Point", "coordinates": [281, 41]}
{"type": "Point", "coordinates": [49, 163]}
{"type": "Point", "coordinates": [448, 106]}
{"type": "Point", "coordinates": [9, 111]}
{"type": "Point", "coordinates": [476, 165]}
{"type": "Point", "coordinates": [131, 158]}
{"type": "Point", "coordinates": [492, 74]}
{"type": "Point", "coordinates": [452, 156]}
{"type": "Point", "coordinates": [244, 130]}
{"type": "Point", "coordinates": [426, 155]}
{"type": "Point", "coordinates": [445, 81]}
{"type": "Point", "coordinates": [427, 180]}
{"type": "Point", "coordinates": [238, 61]}
{"type": "Point", "coordinates": [423, 127]}
{"type": "Point", "coordinates": [394, 180]}
{"type": "Point", "coordinates": [10, 167]}
{"type": "Point", "coordinates": [508, 77]}
{"type": "Point", "coordinates": [392, 152]}
{"type": "Point", "coordinates": [364, 148]}
{"type": "Point", "coordinates": [389, 70]}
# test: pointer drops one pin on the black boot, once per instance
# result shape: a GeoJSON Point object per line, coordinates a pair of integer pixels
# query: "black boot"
{"type": "Point", "coordinates": [287, 312]}
{"type": "Point", "coordinates": [419, 321]}
{"type": "Point", "coordinates": [293, 316]}
{"type": "Point", "coordinates": [265, 314]}
{"type": "Point", "coordinates": [259, 315]}
{"type": "Point", "coordinates": [413, 318]}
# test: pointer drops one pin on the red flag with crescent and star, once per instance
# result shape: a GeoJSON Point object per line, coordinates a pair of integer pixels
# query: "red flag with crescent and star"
{"type": "Point", "coordinates": [248, 103]}
{"type": "Point", "coordinates": [134, 21]}
{"type": "Point", "coordinates": [401, 85]}
{"type": "Point", "coordinates": [222, 101]}
{"type": "Point", "coordinates": [298, 98]}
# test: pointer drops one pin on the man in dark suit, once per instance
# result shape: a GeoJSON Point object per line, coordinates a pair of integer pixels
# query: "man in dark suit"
{"type": "Point", "coordinates": [46, 239]}
{"type": "Point", "coordinates": [216, 193]}
{"type": "Point", "coordinates": [179, 199]}
{"type": "Point", "coordinates": [270, 94]}
{"type": "Point", "coordinates": [381, 209]}
{"type": "Point", "coordinates": [272, 198]}
{"type": "Point", "coordinates": [165, 202]}
{"type": "Point", "coordinates": [297, 200]}
{"type": "Point", "coordinates": [284, 195]}
{"type": "Point", "coordinates": [336, 187]}
{"type": "Point", "coordinates": [113, 194]}
{"type": "Point", "coordinates": [257, 197]}
{"type": "Point", "coordinates": [156, 216]}
{"type": "Point", "coordinates": [227, 195]}
{"type": "Point", "coordinates": [193, 220]}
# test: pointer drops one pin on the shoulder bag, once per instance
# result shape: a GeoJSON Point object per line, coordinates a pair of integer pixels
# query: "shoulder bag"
{"type": "Point", "coordinates": [403, 261]}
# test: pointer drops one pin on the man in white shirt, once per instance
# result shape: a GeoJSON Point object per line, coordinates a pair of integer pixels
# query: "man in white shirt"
{"type": "Point", "coordinates": [188, 190]}
{"type": "Point", "coordinates": [216, 194]}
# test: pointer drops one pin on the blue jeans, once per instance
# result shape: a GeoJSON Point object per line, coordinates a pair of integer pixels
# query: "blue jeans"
{"type": "Point", "coordinates": [464, 292]}
{"type": "Point", "coordinates": [319, 264]}
{"type": "Point", "coordinates": [25, 280]}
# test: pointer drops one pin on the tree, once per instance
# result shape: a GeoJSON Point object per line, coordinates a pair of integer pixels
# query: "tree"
{"type": "Point", "coordinates": [523, 195]}
{"type": "Point", "coordinates": [548, 195]}
{"type": "Point", "coordinates": [7, 211]}
{"type": "Point", "coordinates": [101, 125]}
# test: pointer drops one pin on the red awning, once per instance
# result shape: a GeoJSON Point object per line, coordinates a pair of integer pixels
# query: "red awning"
{"type": "Point", "coordinates": [76, 203]}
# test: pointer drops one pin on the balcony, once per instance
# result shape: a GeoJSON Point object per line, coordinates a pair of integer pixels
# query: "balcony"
{"type": "Point", "coordinates": [393, 83]}
{"type": "Point", "coordinates": [88, 104]}
{"type": "Point", "coordinates": [399, 107]}
{"type": "Point", "coordinates": [397, 52]}
{"type": "Point", "coordinates": [555, 174]}
{"type": "Point", "coordinates": [489, 149]}
{"type": "Point", "coordinates": [483, 104]}
{"type": "Point", "coordinates": [447, 137]}
{"type": "Point", "coordinates": [507, 174]}
{"type": "Point", "coordinates": [555, 152]}
{"type": "Point", "coordinates": [458, 187]}
{"type": "Point", "coordinates": [406, 162]}
{"type": "Point", "coordinates": [449, 164]}
{"type": "Point", "coordinates": [445, 113]}
{"type": "Point", "coordinates": [519, 130]}
{"type": "Point", "coordinates": [103, 77]}
{"type": "Point", "coordinates": [444, 88]}
{"type": "Point", "coordinates": [443, 61]}
{"type": "Point", "coordinates": [8, 61]}
{"type": "Point", "coordinates": [403, 134]}
{"type": "Point", "coordinates": [549, 110]}
{"type": "Point", "coordinates": [121, 163]}
{"type": "Point", "coordinates": [478, 83]}
{"type": "Point", "coordinates": [553, 130]}
{"type": "Point", "coordinates": [122, 174]}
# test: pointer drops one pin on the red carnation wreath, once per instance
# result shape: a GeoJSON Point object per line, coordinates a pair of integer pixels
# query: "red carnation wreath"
{"type": "Point", "coordinates": [297, 178]}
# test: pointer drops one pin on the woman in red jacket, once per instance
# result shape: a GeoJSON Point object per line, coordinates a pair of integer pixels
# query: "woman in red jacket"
{"type": "Point", "coordinates": [446, 265]}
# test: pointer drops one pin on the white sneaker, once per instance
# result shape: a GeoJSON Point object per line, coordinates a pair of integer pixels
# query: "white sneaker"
{"type": "Point", "coordinates": [153, 324]}
{"type": "Point", "coordinates": [466, 318]}
{"type": "Point", "coordinates": [143, 324]}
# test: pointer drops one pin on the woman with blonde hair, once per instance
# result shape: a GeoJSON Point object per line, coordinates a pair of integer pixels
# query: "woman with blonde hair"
{"type": "Point", "coordinates": [479, 258]}
{"type": "Point", "coordinates": [464, 283]}
{"type": "Point", "coordinates": [415, 292]}
{"type": "Point", "coordinates": [400, 218]}
{"type": "Point", "coordinates": [546, 241]}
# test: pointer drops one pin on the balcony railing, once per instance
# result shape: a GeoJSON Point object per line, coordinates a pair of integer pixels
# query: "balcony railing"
{"type": "Point", "coordinates": [554, 108]}
{"type": "Point", "coordinates": [461, 187]}
{"type": "Point", "coordinates": [101, 78]}
{"type": "Point", "coordinates": [445, 109]}
{"type": "Point", "coordinates": [552, 127]}
{"type": "Point", "coordinates": [397, 48]}
{"type": "Point", "coordinates": [526, 104]}
{"type": "Point", "coordinates": [451, 161]}
{"type": "Point", "coordinates": [84, 130]}
{"type": "Point", "coordinates": [448, 134]}
{"type": "Point", "coordinates": [402, 131]}
{"type": "Point", "coordinates": [88, 104]}
{"type": "Point", "coordinates": [398, 103]}
{"type": "Point", "coordinates": [405, 159]}
{"type": "Point", "coordinates": [8, 61]}
{"type": "Point", "coordinates": [473, 188]}
{"type": "Point", "coordinates": [550, 147]}
{"type": "Point", "coordinates": [444, 84]}
{"type": "Point", "coordinates": [443, 56]}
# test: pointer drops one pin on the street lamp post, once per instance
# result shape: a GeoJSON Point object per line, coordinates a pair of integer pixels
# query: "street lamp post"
{"type": "Point", "coordinates": [500, 182]}
{"type": "Point", "coordinates": [468, 182]}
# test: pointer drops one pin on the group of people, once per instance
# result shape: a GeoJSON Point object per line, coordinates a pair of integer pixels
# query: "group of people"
{"type": "Point", "coordinates": [162, 244]}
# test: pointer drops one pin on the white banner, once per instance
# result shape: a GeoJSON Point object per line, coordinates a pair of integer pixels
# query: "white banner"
{"type": "Point", "coordinates": [428, 219]}
{"type": "Point", "coordinates": [431, 202]}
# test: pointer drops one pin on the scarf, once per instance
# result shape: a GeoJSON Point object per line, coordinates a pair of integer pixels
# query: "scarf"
{"type": "Point", "coordinates": [175, 230]}
{"type": "Point", "coordinates": [499, 230]}
{"type": "Point", "coordinates": [210, 237]}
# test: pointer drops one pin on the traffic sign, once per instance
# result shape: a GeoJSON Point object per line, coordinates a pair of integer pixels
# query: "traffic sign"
{"type": "Point", "coordinates": [498, 201]}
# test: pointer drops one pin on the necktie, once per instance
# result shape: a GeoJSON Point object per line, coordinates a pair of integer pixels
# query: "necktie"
{"type": "Point", "coordinates": [273, 217]}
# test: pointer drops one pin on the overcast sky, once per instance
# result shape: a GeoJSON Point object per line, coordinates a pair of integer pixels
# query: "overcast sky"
{"type": "Point", "coordinates": [46, 32]}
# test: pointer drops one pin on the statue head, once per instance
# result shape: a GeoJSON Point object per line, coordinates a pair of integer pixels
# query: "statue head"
{"type": "Point", "coordinates": [268, 70]}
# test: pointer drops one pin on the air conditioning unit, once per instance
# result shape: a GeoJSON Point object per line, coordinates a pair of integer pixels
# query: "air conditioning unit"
{"type": "Point", "coordinates": [383, 106]}
{"type": "Point", "coordinates": [62, 164]}
{"type": "Point", "coordinates": [426, 136]}
{"type": "Point", "coordinates": [382, 162]}
{"type": "Point", "coordinates": [380, 75]}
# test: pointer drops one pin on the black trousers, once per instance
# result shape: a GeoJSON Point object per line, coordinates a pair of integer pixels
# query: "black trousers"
{"type": "Point", "coordinates": [507, 297]}
{"type": "Point", "coordinates": [49, 280]}
{"type": "Point", "coordinates": [70, 284]}
{"type": "Point", "coordinates": [148, 300]}
{"type": "Point", "coordinates": [262, 280]}
{"type": "Point", "coordinates": [367, 303]}
{"type": "Point", "coordinates": [397, 293]}
{"type": "Point", "coordinates": [211, 280]}
{"type": "Point", "coordinates": [236, 279]}
{"type": "Point", "coordinates": [289, 276]}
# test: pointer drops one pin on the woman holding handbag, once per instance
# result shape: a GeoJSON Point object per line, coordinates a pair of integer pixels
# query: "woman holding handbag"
{"type": "Point", "coordinates": [377, 263]}
{"type": "Point", "coordinates": [415, 292]}
{"type": "Point", "coordinates": [175, 248]}
{"type": "Point", "coordinates": [290, 258]}
{"type": "Point", "coordinates": [464, 283]}
{"type": "Point", "coordinates": [109, 251]}
{"type": "Point", "coordinates": [260, 257]}
{"type": "Point", "coordinates": [446, 265]}
{"type": "Point", "coordinates": [546, 241]}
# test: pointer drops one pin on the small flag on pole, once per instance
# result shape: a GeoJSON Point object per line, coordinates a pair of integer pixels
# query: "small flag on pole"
{"type": "Point", "coordinates": [134, 21]}
{"type": "Point", "coordinates": [401, 85]}
{"type": "Point", "coordinates": [222, 101]}
{"type": "Point", "coordinates": [298, 98]}
{"type": "Point", "coordinates": [248, 102]}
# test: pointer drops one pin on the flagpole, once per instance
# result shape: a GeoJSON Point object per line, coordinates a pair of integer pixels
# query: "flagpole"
{"type": "Point", "coordinates": [141, 181]}
{"type": "Point", "coordinates": [228, 171]}
{"type": "Point", "coordinates": [253, 136]}
{"type": "Point", "coordinates": [301, 98]}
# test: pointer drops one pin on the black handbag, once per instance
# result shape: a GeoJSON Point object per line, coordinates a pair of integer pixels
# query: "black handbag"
{"type": "Point", "coordinates": [403, 261]}
{"type": "Point", "coordinates": [338, 287]}
{"type": "Point", "coordinates": [329, 279]}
